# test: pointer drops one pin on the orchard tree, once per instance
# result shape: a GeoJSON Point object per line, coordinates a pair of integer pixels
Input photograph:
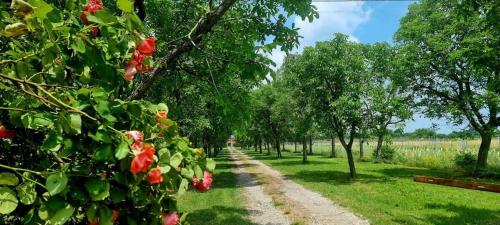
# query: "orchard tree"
{"type": "Point", "coordinates": [452, 52]}
{"type": "Point", "coordinates": [73, 150]}
{"type": "Point", "coordinates": [386, 101]}
{"type": "Point", "coordinates": [332, 76]}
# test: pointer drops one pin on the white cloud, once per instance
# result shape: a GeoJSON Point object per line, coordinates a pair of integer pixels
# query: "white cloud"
{"type": "Point", "coordinates": [343, 17]}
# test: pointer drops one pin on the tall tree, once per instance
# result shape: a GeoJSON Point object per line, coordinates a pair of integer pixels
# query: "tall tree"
{"type": "Point", "coordinates": [452, 52]}
{"type": "Point", "coordinates": [331, 75]}
{"type": "Point", "coordinates": [386, 101]}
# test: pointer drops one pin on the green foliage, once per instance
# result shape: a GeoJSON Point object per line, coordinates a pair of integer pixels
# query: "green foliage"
{"type": "Point", "coordinates": [387, 153]}
{"type": "Point", "coordinates": [465, 161]}
{"type": "Point", "coordinates": [64, 97]}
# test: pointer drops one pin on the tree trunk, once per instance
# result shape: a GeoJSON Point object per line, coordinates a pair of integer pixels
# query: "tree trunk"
{"type": "Point", "coordinates": [255, 146]}
{"type": "Point", "coordinates": [283, 145]}
{"type": "Point", "coordinates": [278, 150]}
{"type": "Point", "coordinates": [295, 146]}
{"type": "Point", "coordinates": [378, 150]}
{"type": "Point", "coordinates": [350, 160]}
{"type": "Point", "coordinates": [310, 145]}
{"type": "Point", "coordinates": [361, 148]}
{"type": "Point", "coordinates": [268, 149]}
{"type": "Point", "coordinates": [334, 153]}
{"type": "Point", "coordinates": [304, 150]}
{"type": "Point", "coordinates": [482, 157]}
{"type": "Point", "coordinates": [260, 146]}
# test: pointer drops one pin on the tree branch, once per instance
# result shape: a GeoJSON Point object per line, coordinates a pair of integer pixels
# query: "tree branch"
{"type": "Point", "coordinates": [203, 27]}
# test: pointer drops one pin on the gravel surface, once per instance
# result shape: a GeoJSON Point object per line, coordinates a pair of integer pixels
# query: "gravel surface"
{"type": "Point", "coordinates": [259, 205]}
{"type": "Point", "coordinates": [319, 210]}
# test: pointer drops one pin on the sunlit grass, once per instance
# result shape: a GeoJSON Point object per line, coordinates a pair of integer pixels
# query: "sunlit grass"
{"type": "Point", "coordinates": [386, 193]}
{"type": "Point", "coordinates": [223, 204]}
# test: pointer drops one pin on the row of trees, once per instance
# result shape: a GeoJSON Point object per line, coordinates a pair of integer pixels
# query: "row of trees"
{"type": "Point", "coordinates": [445, 64]}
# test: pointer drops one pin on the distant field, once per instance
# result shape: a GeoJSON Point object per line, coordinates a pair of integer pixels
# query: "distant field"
{"type": "Point", "coordinates": [386, 193]}
{"type": "Point", "coordinates": [431, 153]}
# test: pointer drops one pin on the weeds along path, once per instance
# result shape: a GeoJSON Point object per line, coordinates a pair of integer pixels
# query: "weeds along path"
{"type": "Point", "coordinates": [299, 204]}
{"type": "Point", "coordinates": [260, 206]}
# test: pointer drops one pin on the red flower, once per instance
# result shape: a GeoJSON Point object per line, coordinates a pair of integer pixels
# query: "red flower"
{"type": "Point", "coordinates": [155, 177]}
{"type": "Point", "coordinates": [147, 46]}
{"type": "Point", "coordinates": [142, 160]}
{"type": "Point", "coordinates": [4, 133]}
{"type": "Point", "coordinates": [136, 135]}
{"type": "Point", "coordinates": [95, 221]}
{"type": "Point", "coordinates": [170, 218]}
{"type": "Point", "coordinates": [115, 215]}
{"type": "Point", "coordinates": [91, 7]}
{"type": "Point", "coordinates": [160, 118]}
{"type": "Point", "coordinates": [205, 184]}
{"type": "Point", "coordinates": [138, 57]}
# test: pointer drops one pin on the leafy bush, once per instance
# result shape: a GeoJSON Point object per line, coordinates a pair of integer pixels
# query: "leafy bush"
{"type": "Point", "coordinates": [386, 155]}
{"type": "Point", "coordinates": [73, 150]}
{"type": "Point", "coordinates": [466, 161]}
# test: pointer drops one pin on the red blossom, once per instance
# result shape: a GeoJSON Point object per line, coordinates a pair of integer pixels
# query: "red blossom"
{"type": "Point", "coordinates": [7, 134]}
{"type": "Point", "coordinates": [204, 184]}
{"type": "Point", "coordinates": [91, 7]}
{"type": "Point", "coordinates": [136, 135]}
{"type": "Point", "coordinates": [170, 218]}
{"type": "Point", "coordinates": [155, 177]}
{"type": "Point", "coordinates": [160, 118]}
{"type": "Point", "coordinates": [147, 46]}
{"type": "Point", "coordinates": [115, 215]}
{"type": "Point", "coordinates": [142, 160]}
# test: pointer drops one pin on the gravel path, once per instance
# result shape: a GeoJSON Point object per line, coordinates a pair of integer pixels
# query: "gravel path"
{"type": "Point", "coordinates": [259, 205]}
{"type": "Point", "coordinates": [318, 209]}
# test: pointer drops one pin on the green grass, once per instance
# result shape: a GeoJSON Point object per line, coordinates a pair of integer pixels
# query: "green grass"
{"type": "Point", "coordinates": [386, 193]}
{"type": "Point", "coordinates": [222, 204]}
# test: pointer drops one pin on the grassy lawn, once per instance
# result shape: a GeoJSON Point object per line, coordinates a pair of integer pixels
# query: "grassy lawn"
{"type": "Point", "coordinates": [223, 204]}
{"type": "Point", "coordinates": [386, 193]}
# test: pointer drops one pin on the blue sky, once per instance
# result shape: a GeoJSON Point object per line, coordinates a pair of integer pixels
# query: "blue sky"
{"type": "Point", "coordinates": [365, 22]}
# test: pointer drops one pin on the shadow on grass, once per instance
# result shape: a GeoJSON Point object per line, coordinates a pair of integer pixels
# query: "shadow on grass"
{"type": "Point", "coordinates": [463, 215]}
{"type": "Point", "coordinates": [402, 172]}
{"type": "Point", "coordinates": [218, 215]}
{"type": "Point", "coordinates": [337, 177]}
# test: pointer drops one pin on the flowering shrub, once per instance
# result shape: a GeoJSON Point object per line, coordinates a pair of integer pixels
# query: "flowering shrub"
{"type": "Point", "coordinates": [72, 150]}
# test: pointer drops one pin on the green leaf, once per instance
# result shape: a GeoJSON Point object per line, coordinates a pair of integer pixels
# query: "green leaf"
{"type": "Point", "coordinates": [210, 165]}
{"type": "Point", "coordinates": [56, 183]}
{"type": "Point", "coordinates": [198, 172]}
{"type": "Point", "coordinates": [8, 200]}
{"type": "Point", "coordinates": [76, 123]}
{"type": "Point", "coordinates": [41, 8]}
{"type": "Point", "coordinates": [122, 150]}
{"type": "Point", "coordinates": [163, 107]}
{"type": "Point", "coordinates": [104, 154]}
{"type": "Point", "coordinates": [61, 216]}
{"type": "Point", "coordinates": [182, 187]}
{"type": "Point", "coordinates": [105, 216]}
{"type": "Point", "coordinates": [98, 189]}
{"type": "Point", "coordinates": [105, 16]}
{"type": "Point", "coordinates": [176, 160]}
{"type": "Point", "coordinates": [187, 173]}
{"type": "Point", "coordinates": [78, 45]}
{"type": "Point", "coordinates": [164, 154]}
{"type": "Point", "coordinates": [125, 5]}
{"type": "Point", "coordinates": [26, 193]}
{"type": "Point", "coordinates": [8, 179]}
{"type": "Point", "coordinates": [53, 142]}
{"type": "Point", "coordinates": [164, 169]}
